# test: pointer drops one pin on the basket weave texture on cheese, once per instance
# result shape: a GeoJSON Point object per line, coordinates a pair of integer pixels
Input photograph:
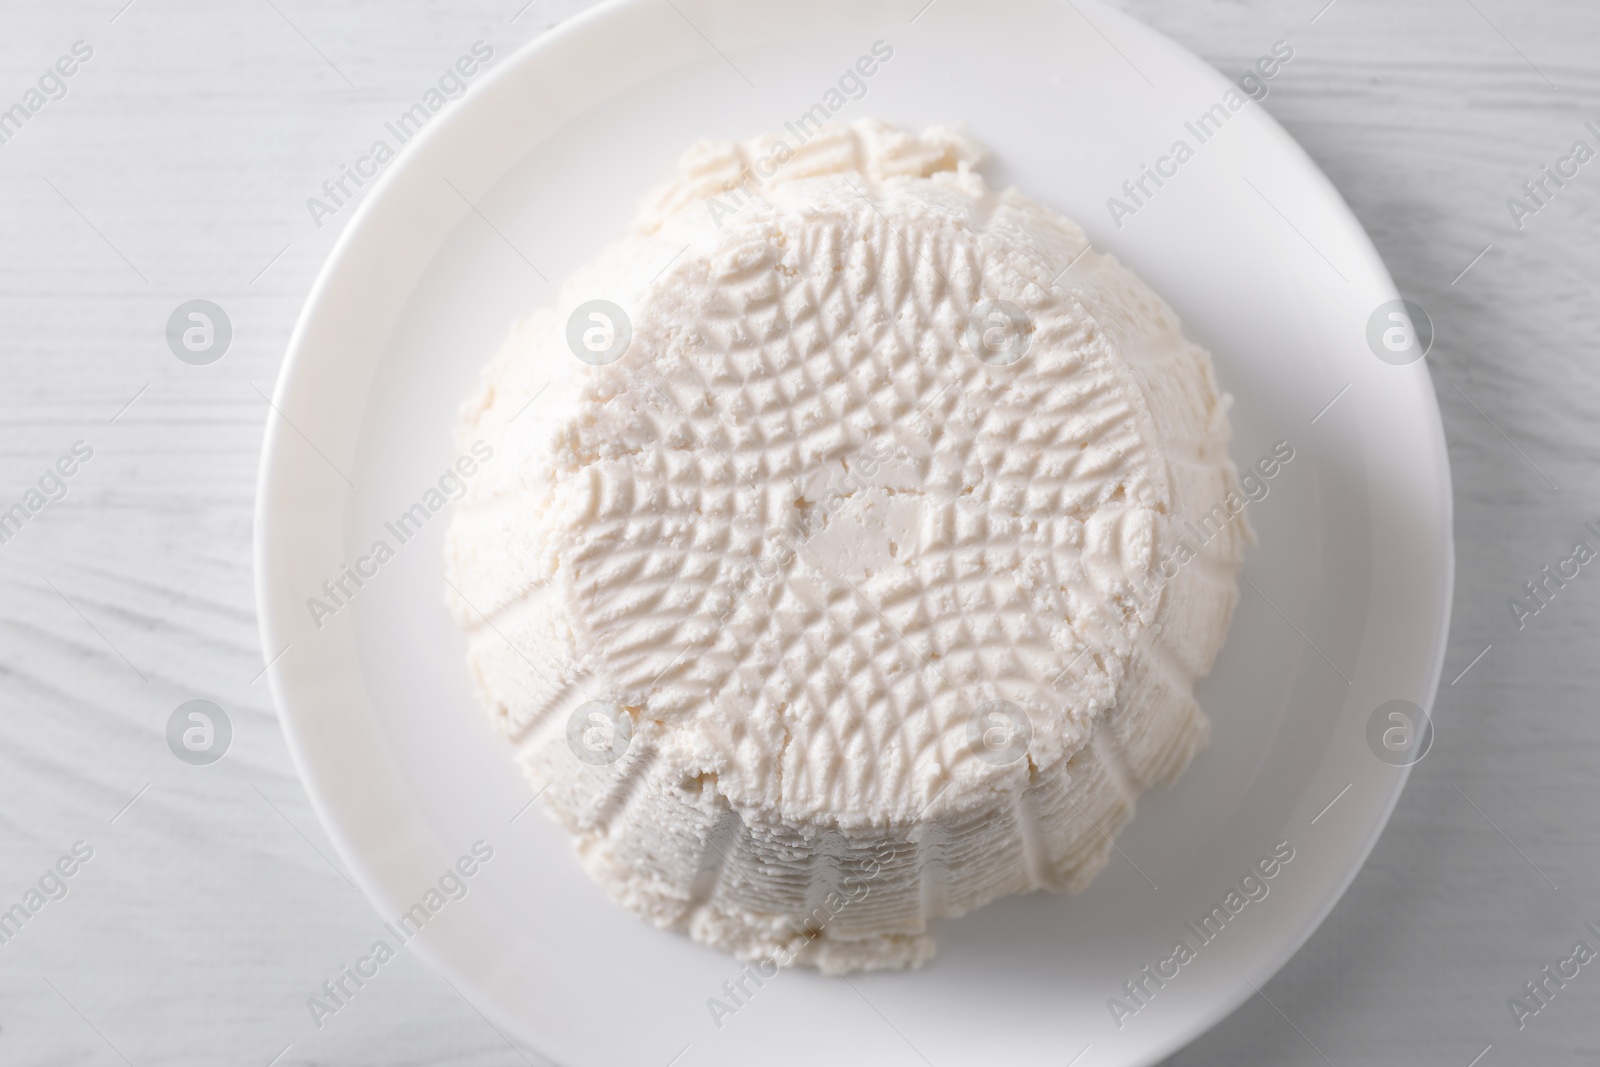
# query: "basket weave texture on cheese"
{"type": "Point", "coordinates": [845, 599]}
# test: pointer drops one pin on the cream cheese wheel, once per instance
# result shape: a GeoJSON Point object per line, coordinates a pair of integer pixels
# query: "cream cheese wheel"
{"type": "Point", "coordinates": [854, 538]}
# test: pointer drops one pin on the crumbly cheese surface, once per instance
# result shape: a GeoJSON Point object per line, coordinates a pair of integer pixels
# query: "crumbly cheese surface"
{"type": "Point", "coordinates": [845, 598]}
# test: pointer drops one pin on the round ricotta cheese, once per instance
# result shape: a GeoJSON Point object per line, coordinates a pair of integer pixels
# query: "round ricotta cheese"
{"type": "Point", "coordinates": [855, 537]}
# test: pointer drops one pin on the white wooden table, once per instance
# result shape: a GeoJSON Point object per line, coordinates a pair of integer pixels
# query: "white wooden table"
{"type": "Point", "coordinates": [177, 166]}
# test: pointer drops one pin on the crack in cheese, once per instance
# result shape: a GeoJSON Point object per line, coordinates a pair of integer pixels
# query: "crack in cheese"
{"type": "Point", "coordinates": [805, 551]}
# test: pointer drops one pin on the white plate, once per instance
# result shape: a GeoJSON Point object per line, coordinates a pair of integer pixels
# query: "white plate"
{"type": "Point", "coordinates": [1249, 242]}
